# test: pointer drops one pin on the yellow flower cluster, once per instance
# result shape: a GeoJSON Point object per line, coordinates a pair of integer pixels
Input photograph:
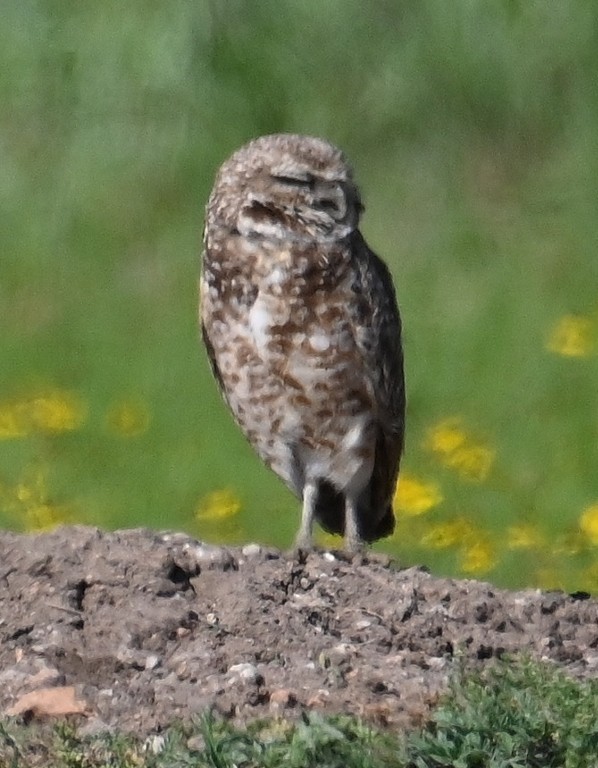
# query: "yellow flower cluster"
{"type": "Point", "coordinates": [458, 449]}
{"type": "Point", "coordinates": [476, 553]}
{"type": "Point", "coordinates": [572, 336]}
{"type": "Point", "coordinates": [415, 497]}
{"type": "Point", "coordinates": [588, 522]}
{"type": "Point", "coordinates": [29, 504]}
{"type": "Point", "coordinates": [218, 505]}
{"type": "Point", "coordinates": [60, 410]}
{"type": "Point", "coordinates": [51, 412]}
{"type": "Point", "coordinates": [448, 534]}
{"type": "Point", "coordinates": [524, 537]}
{"type": "Point", "coordinates": [477, 557]}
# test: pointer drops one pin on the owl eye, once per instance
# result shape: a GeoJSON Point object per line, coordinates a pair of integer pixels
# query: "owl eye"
{"type": "Point", "coordinates": [301, 180]}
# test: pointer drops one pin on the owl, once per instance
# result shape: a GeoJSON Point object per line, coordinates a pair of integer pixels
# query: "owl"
{"type": "Point", "coordinates": [303, 333]}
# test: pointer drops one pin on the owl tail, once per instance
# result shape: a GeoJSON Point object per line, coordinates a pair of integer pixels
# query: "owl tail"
{"type": "Point", "coordinates": [330, 514]}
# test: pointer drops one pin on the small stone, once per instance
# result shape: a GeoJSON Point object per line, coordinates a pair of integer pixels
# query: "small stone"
{"type": "Point", "coordinates": [176, 537]}
{"type": "Point", "coordinates": [246, 672]}
{"type": "Point", "coordinates": [211, 557]}
{"type": "Point", "coordinates": [363, 624]}
{"type": "Point", "coordinates": [251, 550]}
{"type": "Point", "coordinates": [319, 699]}
{"type": "Point", "coordinates": [152, 661]}
{"type": "Point", "coordinates": [341, 651]}
{"type": "Point", "coordinates": [196, 743]}
{"type": "Point", "coordinates": [281, 698]}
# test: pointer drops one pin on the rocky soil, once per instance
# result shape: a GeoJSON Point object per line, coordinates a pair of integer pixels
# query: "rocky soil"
{"type": "Point", "coordinates": [137, 629]}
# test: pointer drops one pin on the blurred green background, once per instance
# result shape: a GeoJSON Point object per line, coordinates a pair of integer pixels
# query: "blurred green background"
{"type": "Point", "coordinates": [473, 129]}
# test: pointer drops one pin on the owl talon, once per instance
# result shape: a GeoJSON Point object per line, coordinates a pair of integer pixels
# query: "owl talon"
{"type": "Point", "coordinates": [300, 553]}
{"type": "Point", "coordinates": [355, 546]}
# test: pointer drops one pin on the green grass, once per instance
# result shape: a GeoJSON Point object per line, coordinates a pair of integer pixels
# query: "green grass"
{"type": "Point", "coordinates": [472, 129]}
{"type": "Point", "coordinates": [518, 714]}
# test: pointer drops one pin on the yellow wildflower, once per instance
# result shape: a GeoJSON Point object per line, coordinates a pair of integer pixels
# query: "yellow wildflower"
{"type": "Point", "coordinates": [445, 438]}
{"type": "Point", "coordinates": [477, 557]}
{"type": "Point", "coordinates": [12, 423]}
{"type": "Point", "coordinates": [54, 411]}
{"type": "Point", "coordinates": [457, 449]}
{"type": "Point", "coordinates": [524, 537]}
{"type": "Point", "coordinates": [29, 503]}
{"type": "Point", "coordinates": [472, 463]}
{"type": "Point", "coordinates": [128, 418]}
{"type": "Point", "coordinates": [415, 497]}
{"type": "Point", "coordinates": [445, 535]}
{"type": "Point", "coordinates": [218, 505]}
{"type": "Point", "coordinates": [58, 411]}
{"type": "Point", "coordinates": [43, 517]}
{"type": "Point", "coordinates": [588, 522]}
{"type": "Point", "coordinates": [572, 336]}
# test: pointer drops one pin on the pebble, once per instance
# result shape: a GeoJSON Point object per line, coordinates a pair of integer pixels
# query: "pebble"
{"type": "Point", "coordinates": [281, 698]}
{"type": "Point", "coordinates": [244, 671]}
{"type": "Point", "coordinates": [196, 743]}
{"type": "Point", "coordinates": [211, 557]}
{"type": "Point", "coordinates": [251, 550]}
{"type": "Point", "coordinates": [341, 650]}
{"type": "Point", "coordinates": [363, 624]}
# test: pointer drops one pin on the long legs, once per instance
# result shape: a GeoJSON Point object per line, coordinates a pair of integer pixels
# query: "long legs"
{"type": "Point", "coordinates": [303, 540]}
{"type": "Point", "coordinates": [353, 540]}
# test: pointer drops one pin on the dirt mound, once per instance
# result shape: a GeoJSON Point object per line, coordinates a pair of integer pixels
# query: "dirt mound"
{"type": "Point", "coordinates": [150, 628]}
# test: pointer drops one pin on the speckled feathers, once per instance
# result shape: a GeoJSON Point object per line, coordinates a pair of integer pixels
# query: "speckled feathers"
{"type": "Point", "coordinates": [303, 333]}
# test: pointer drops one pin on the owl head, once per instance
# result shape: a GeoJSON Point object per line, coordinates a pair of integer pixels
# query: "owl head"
{"type": "Point", "coordinates": [286, 187]}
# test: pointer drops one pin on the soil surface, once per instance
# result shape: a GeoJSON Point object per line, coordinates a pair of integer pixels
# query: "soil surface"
{"type": "Point", "coordinates": [152, 628]}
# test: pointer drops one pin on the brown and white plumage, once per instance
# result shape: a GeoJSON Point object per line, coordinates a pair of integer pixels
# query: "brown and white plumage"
{"type": "Point", "coordinates": [302, 329]}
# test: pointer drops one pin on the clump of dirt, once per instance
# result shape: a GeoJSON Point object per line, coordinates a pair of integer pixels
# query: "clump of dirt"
{"type": "Point", "coordinates": [151, 628]}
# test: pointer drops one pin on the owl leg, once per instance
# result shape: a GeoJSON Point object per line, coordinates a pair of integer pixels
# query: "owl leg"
{"type": "Point", "coordinates": [303, 539]}
{"type": "Point", "coordinates": [353, 540]}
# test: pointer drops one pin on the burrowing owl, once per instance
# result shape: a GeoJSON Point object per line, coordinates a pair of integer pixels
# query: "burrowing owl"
{"type": "Point", "coordinates": [302, 329]}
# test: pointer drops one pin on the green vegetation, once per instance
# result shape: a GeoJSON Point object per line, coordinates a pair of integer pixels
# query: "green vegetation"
{"type": "Point", "coordinates": [519, 715]}
{"type": "Point", "coordinates": [472, 126]}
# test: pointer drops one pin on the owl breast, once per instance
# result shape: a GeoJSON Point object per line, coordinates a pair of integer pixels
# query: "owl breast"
{"type": "Point", "coordinates": [286, 357]}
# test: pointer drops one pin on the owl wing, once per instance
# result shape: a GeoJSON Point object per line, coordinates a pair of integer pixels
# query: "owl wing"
{"type": "Point", "coordinates": [378, 337]}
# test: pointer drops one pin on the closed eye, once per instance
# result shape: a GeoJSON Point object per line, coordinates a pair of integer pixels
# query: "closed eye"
{"type": "Point", "coordinates": [294, 181]}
